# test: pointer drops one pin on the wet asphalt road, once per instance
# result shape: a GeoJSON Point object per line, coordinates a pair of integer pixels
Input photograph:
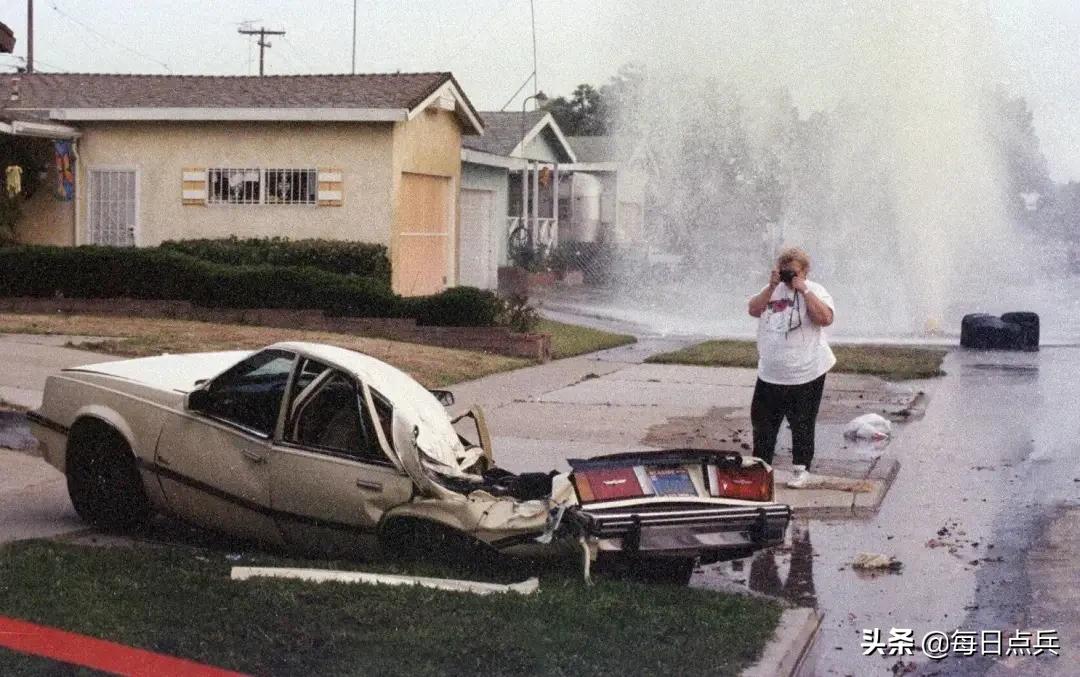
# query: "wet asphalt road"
{"type": "Point", "coordinates": [989, 472]}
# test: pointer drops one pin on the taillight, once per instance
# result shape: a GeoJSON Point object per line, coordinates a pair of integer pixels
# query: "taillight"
{"type": "Point", "coordinates": [749, 483]}
{"type": "Point", "coordinates": [610, 484]}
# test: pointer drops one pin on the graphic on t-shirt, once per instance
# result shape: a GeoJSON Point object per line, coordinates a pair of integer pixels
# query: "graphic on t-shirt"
{"type": "Point", "coordinates": [782, 316]}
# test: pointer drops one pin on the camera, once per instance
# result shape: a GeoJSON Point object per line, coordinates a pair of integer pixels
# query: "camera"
{"type": "Point", "coordinates": [787, 275]}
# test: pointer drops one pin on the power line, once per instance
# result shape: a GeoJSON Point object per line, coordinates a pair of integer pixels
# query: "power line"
{"type": "Point", "coordinates": [532, 76]}
{"type": "Point", "coordinates": [107, 38]}
{"type": "Point", "coordinates": [299, 54]}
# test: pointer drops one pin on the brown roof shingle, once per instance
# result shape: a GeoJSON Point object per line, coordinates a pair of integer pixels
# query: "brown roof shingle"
{"type": "Point", "coordinates": [502, 131]}
{"type": "Point", "coordinates": [108, 90]}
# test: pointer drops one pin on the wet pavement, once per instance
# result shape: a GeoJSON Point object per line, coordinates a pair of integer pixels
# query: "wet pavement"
{"type": "Point", "coordinates": [988, 478]}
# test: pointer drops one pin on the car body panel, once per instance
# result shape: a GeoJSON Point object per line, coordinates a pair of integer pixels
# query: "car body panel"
{"type": "Point", "coordinates": [217, 475]}
{"type": "Point", "coordinates": [267, 486]}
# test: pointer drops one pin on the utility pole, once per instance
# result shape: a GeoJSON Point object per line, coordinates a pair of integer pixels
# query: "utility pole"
{"type": "Point", "coordinates": [262, 43]}
{"type": "Point", "coordinates": [532, 11]}
{"type": "Point", "coordinates": [29, 36]}
{"type": "Point", "coordinates": [354, 37]}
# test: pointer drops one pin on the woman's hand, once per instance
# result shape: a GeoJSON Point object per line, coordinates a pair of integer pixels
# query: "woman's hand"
{"type": "Point", "coordinates": [798, 283]}
{"type": "Point", "coordinates": [774, 278]}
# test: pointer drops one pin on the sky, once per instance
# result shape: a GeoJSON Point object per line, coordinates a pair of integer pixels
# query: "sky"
{"type": "Point", "coordinates": [1033, 45]}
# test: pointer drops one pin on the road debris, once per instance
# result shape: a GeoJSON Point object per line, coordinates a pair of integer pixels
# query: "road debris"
{"type": "Point", "coordinates": [872, 561]}
{"type": "Point", "coordinates": [525, 587]}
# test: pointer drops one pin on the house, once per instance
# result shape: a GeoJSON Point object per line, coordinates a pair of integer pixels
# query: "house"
{"type": "Point", "coordinates": [147, 158]}
{"type": "Point", "coordinates": [508, 190]}
{"type": "Point", "coordinates": [607, 193]}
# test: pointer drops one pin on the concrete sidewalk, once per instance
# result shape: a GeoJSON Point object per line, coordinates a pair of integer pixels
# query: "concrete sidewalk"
{"type": "Point", "coordinates": [612, 401]}
{"type": "Point", "coordinates": [26, 360]}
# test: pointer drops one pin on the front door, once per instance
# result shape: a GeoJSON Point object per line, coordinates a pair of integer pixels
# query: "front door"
{"type": "Point", "coordinates": [214, 463]}
{"type": "Point", "coordinates": [476, 253]}
{"type": "Point", "coordinates": [421, 243]}
{"type": "Point", "coordinates": [113, 207]}
{"type": "Point", "coordinates": [331, 480]}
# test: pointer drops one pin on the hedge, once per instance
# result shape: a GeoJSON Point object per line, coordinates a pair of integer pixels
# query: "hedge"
{"type": "Point", "coordinates": [334, 256]}
{"type": "Point", "coordinates": [164, 274]}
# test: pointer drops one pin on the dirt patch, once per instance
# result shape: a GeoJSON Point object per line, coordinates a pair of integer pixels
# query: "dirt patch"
{"type": "Point", "coordinates": [729, 428]}
{"type": "Point", "coordinates": [721, 428]}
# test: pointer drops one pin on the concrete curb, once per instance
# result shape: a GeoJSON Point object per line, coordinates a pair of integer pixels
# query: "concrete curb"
{"type": "Point", "coordinates": [787, 653]}
{"type": "Point", "coordinates": [860, 505]}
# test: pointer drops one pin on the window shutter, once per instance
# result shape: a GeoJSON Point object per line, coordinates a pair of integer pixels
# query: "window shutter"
{"type": "Point", "coordinates": [194, 186]}
{"type": "Point", "coordinates": [330, 188]}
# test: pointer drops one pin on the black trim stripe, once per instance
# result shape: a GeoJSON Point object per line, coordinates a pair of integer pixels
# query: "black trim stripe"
{"type": "Point", "coordinates": [44, 422]}
{"type": "Point", "coordinates": [195, 484]}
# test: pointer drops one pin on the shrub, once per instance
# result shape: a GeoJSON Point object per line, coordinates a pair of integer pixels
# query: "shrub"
{"type": "Point", "coordinates": [457, 307]}
{"type": "Point", "coordinates": [335, 256]}
{"type": "Point", "coordinates": [165, 274]}
{"type": "Point", "coordinates": [518, 315]}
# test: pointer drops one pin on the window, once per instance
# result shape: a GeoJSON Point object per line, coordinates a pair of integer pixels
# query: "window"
{"type": "Point", "coordinates": [291, 186]}
{"type": "Point", "coordinates": [384, 414]}
{"type": "Point", "coordinates": [328, 414]}
{"type": "Point", "coordinates": [250, 393]}
{"type": "Point", "coordinates": [253, 186]}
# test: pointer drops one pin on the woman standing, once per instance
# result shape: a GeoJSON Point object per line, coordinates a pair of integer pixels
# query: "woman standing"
{"type": "Point", "coordinates": [793, 358]}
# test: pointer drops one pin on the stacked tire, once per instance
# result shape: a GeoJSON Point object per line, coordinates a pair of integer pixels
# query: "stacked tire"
{"type": "Point", "coordinates": [1011, 331]}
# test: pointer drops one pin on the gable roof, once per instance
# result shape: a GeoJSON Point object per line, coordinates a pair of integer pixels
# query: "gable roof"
{"type": "Point", "coordinates": [109, 96]}
{"type": "Point", "coordinates": [593, 148]}
{"type": "Point", "coordinates": [503, 134]}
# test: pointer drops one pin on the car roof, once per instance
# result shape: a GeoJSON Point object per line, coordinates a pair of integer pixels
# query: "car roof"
{"type": "Point", "coordinates": [387, 379]}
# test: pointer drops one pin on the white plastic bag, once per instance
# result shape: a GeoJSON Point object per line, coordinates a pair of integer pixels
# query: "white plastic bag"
{"type": "Point", "coordinates": [869, 427]}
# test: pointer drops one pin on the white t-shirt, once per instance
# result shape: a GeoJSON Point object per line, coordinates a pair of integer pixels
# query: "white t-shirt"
{"type": "Point", "coordinates": [792, 349]}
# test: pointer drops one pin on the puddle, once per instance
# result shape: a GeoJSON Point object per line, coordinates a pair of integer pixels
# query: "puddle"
{"type": "Point", "coordinates": [15, 432]}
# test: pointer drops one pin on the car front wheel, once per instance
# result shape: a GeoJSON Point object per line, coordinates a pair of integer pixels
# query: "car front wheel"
{"type": "Point", "coordinates": [102, 479]}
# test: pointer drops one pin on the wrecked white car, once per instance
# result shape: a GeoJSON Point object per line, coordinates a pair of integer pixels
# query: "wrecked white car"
{"type": "Point", "coordinates": [315, 446]}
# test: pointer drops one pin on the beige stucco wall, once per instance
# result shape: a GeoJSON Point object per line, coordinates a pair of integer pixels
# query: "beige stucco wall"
{"type": "Point", "coordinates": [46, 219]}
{"type": "Point", "coordinates": [161, 150]}
{"type": "Point", "coordinates": [430, 143]}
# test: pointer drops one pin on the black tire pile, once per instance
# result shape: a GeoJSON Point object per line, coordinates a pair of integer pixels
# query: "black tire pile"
{"type": "Point", "coordinates": [1011, 331]}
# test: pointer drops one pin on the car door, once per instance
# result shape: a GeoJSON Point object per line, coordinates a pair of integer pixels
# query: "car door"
{"type": "Point", "coordinates": [213, 459]}
{"type": "Point", "coordinates": [331, 480]}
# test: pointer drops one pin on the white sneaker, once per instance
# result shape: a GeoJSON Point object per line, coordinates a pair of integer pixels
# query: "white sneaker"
{"type": "Point", "coordinates": [799, 477]}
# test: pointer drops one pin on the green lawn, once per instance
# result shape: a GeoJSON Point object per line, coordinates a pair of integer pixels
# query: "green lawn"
{"type": "Point", "coordinates": [179, 600]}
{"type": "Point", "coordinates": [568, 340]}
{"type": "Point", "coordinates": [895, 363]}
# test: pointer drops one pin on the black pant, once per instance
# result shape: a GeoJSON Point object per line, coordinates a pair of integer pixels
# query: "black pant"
{"type": "Point", "coordinates": [799, 404]}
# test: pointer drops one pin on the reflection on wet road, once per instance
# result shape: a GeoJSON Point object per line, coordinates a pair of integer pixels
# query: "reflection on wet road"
{"type": "Point", "coordinates": [983, 477]}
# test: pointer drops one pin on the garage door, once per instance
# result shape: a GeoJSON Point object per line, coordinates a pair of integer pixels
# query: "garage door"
{"type": "Point", "coordinates": [422, 240]}
{"type": "Point", "coordinates": [476, 253]}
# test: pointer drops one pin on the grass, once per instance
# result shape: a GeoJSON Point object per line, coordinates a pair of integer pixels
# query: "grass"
{"type": "Point", "coordinates": [568, 340]}
{"type": "Point", "coordinates": [180, 601]}
{"type": "Point", "coordinates": [137, 337]}
{"type": "Point", "coordinates": [894, 363]}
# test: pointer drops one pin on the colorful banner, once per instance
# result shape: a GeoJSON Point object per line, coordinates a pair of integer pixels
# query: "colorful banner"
{"type": "Point", "coordinates": [65, 170]}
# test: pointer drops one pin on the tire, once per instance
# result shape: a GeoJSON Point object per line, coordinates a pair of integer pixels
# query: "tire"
{"type": "Point", "coordinates": [418, 540]}
{"type": "Point", "coordinates": [662, 570]}
{"type": "Point", "coordinates": [103, 482]}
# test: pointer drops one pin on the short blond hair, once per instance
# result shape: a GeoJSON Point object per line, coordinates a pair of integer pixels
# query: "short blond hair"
{"type": "Point", "coordinates": [794, 254]}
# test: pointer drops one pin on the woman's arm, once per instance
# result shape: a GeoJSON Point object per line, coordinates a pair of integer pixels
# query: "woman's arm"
{"type": "Point", "coordinates": [760, 301]}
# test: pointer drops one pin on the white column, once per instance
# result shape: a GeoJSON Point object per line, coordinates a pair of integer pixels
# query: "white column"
{"type": "Point", "coordinates": [536, 200]}
{"type": "Point", "coordinates": [525, 193]}
{"type": "Point", "coordinates": [555, 204]}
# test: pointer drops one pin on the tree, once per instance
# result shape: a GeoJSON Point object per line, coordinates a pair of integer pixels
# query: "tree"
{"type": "Point", "coordinates": [583, 114]}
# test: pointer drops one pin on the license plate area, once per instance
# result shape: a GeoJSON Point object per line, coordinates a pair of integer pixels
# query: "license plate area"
{"type": "Point", "coordinates": [671, 481]}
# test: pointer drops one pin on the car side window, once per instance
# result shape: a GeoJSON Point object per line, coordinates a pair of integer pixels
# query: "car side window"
{"type": "Point", "coordinates": [329, 415]}
{"type": "Point", "coordinates": [384, 414]}
{"type": "Point", "coordinates": [250, 393]}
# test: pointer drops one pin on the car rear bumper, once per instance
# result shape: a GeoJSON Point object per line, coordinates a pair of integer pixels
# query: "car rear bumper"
{"type": "Point", "coordinates": [706, 531]}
